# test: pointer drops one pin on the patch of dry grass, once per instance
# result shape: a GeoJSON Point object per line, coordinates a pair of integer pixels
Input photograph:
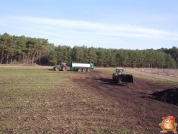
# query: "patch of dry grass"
{"type": "Point", "coordinates": [162, 75]}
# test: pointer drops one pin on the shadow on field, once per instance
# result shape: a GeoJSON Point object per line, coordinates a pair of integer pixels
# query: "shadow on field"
{"type": "Point", "coordinates": [168, 96]}
{"type": "Point", "coordinates": [51, 69]}
{"type": "Point", "coordinates": [109, 82]}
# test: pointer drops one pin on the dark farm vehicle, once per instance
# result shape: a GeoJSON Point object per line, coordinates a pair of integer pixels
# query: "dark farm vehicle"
{"type": "Point", "coordinates": [61, 67]}
{"type": "Point", "coordinates": [119, 77]}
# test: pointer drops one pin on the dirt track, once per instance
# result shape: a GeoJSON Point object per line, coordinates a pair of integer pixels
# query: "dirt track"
{"type": "Point", "coordinates": [134, 102]}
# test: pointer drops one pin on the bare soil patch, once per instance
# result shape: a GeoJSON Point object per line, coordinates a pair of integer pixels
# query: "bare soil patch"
{"type": "Point", "coordinates": [139, 106]}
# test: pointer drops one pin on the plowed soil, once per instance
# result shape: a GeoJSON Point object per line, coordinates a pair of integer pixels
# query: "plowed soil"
{"type": "Point", "coordinates": [143, 102]}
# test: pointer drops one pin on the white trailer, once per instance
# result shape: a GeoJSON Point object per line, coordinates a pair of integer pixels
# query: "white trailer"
{"type": "Point", "coordinates": [84, 67]}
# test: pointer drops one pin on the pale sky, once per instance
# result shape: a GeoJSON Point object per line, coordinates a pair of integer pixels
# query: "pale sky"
{"type": "Point", "coordinates": [127, 24]}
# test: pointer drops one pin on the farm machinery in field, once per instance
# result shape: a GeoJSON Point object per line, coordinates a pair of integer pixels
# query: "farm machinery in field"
{"type": "Point", "coordinates": [119, 77]}
{"type": "Point", "coordinates": [80, 67]}
{"type": "Point", "coordinates": [61, 67]}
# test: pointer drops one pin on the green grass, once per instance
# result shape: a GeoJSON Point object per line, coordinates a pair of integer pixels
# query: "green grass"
{"type": "Point", "coordinates": [35, 100]}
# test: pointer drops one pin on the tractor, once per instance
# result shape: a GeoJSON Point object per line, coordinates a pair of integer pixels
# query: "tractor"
{"type": "Point", "coordinates": [61, 67]}
{"type": "Point", "coordinates": [119, 77]}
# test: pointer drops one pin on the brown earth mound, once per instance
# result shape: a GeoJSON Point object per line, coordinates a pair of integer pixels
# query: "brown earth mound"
{"type": "Point", "coordinates": [168, 95]}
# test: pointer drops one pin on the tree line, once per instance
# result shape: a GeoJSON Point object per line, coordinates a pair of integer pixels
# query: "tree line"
{"type": "Point", "coordinates": [27, 50]}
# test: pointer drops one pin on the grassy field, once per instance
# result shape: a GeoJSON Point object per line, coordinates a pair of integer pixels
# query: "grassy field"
{"type": "Point", "coordinates": [38, 100]}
